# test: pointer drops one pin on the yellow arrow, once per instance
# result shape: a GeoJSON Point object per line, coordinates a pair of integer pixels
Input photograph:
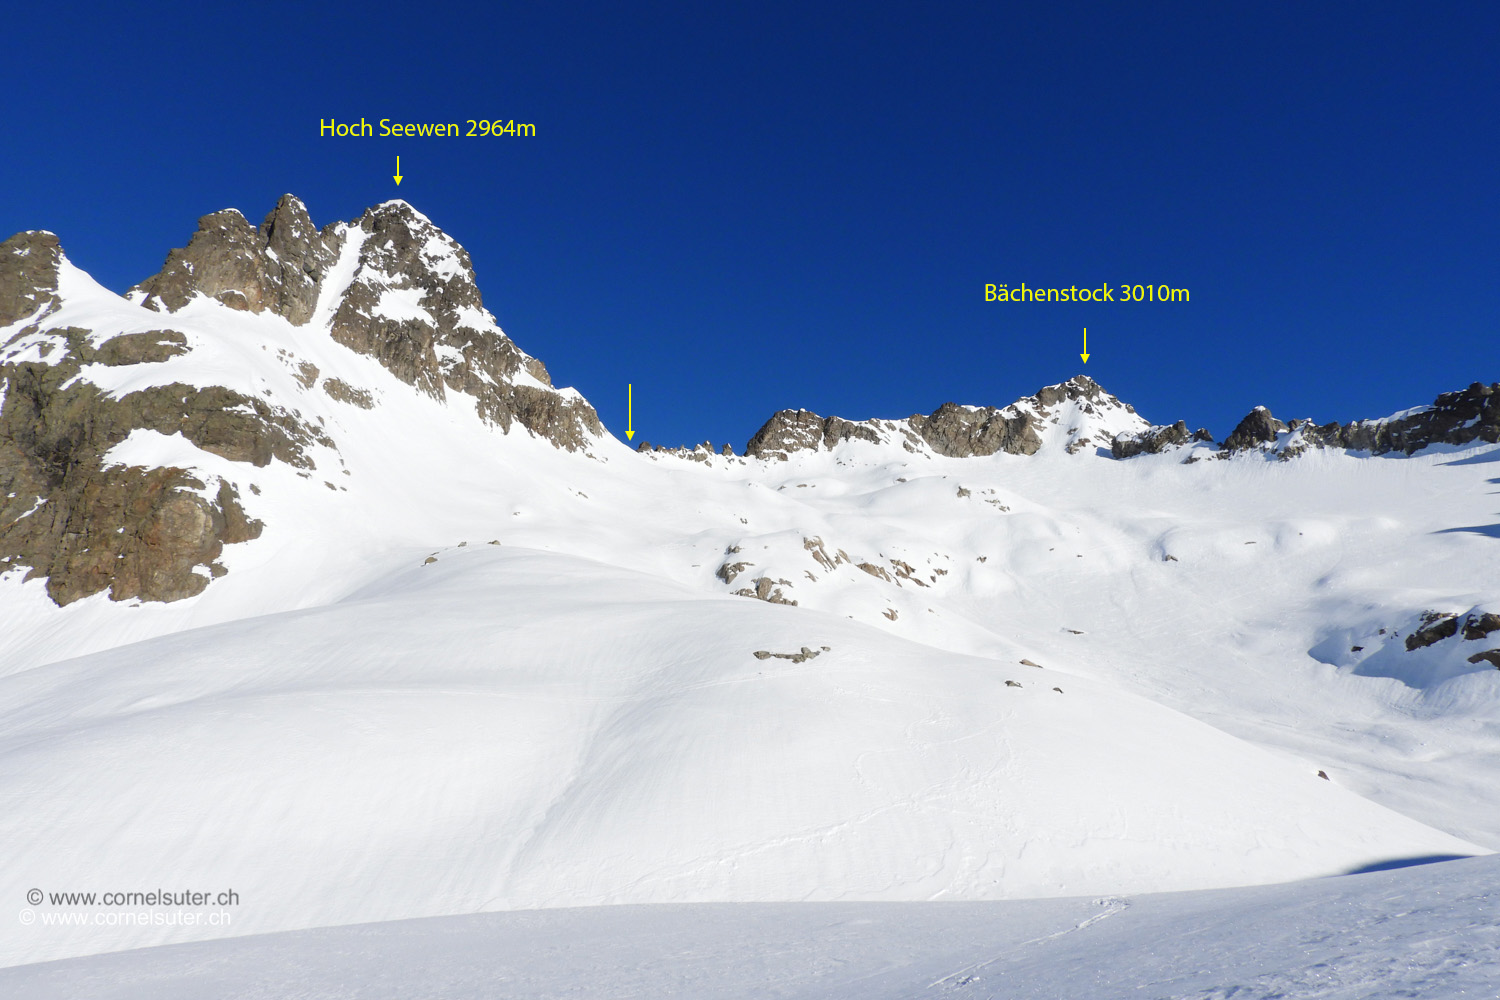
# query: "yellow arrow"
{"type": "Point", "coordinates": [629, 412]}
{"type": "Point", "coordinates": [1085, 354]}
{"type": "Point", "coordinates": [398, 171]}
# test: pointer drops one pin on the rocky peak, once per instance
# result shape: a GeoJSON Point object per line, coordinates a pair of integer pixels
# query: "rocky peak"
{"type": "Point", "coordinates": [1257, 429]}
{"type": "Point", "coordinates": [414, 305]}
{"type": "Point", "coordinates": [276, 268]}
{"type": "Point", "coordinates": [1078, 415]}
{"type": "Point", "coordinates": [72, 508]}
{"type": "Point", "coordinates": [1079, 388]}
{"type": "Point", "coordinates": [304, 255]}
{"type": "Point", "coordinates": [28, 275]}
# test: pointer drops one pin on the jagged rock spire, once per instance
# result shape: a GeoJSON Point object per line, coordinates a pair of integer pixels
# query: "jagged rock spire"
{"type": "Point", "coordinates": [275, 268]}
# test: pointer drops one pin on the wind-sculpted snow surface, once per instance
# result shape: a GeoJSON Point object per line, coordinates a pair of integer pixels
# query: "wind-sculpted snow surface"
{"type": "Point", "coordinates": [1426, 931]}
{"type": "Point", "coordinates": [516, 729]}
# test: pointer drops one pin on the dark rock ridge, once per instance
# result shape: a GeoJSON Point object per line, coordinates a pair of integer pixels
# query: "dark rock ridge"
{"type": "Point", "coordinates": [702, 452]}
{"type": "Point", "coordinates": [1458, 418]}
{"type": "Point", "coordinates": [951, 430]}
{"type": "Point", "coordinates": [413, 304]}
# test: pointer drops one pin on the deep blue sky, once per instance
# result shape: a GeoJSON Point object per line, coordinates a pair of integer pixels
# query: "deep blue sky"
{"type": "Point", "coordinates": [749, 207]}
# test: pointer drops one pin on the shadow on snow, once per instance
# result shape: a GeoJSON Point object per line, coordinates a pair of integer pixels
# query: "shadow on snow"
{"type": "Point", "coordinates": [1390, 864]}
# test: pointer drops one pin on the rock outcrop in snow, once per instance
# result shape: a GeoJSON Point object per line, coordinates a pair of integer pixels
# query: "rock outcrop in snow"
{"type": "Point", "coordinates": [1155, 440]}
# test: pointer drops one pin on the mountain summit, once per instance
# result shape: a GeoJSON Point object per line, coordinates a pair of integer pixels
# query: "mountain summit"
{"type": "Point", "coordinates": [235, 349]}
{"type": "Point", "coordinates": [390, 285]}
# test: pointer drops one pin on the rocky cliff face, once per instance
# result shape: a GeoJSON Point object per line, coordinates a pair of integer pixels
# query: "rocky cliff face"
{"type": "Point", "coordinates": [964, 431]}
{"type": "Point", "coordinates": [87, 524]}
{"type": "Point", "coordinates": [391, 286]}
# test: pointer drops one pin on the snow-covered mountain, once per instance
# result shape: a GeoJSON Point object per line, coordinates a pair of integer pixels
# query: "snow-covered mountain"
{"type": "Point", "coordinates": [314, 587]}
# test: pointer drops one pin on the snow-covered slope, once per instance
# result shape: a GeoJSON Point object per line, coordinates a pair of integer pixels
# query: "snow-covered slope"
{"type": "Point", "coordinates": [1417, 932]}
{"type": "Point", "coordinates": [456, 648]}
{"type": "Point", "coordinates": [511, 728]}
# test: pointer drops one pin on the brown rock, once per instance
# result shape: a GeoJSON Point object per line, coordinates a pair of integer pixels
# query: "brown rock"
{"type": "Point", "coordinates": [141, 348]}
{"type": "Point", "coordinates": [277, 267]}
{"type": "Point", "coordinates": [1478, 627]}
{"type": "Point", "coordinates": [138, 533]}
{"type": "Point", "coordinates": [345, 393]}
{"type": "Point", "coordinates": [28, 275]}
{"type": "Point", "coordinates": [802, 430]}
{"type": "Point", "coordinates": [960, 432]}
{"type": "Point", "coordinates": [443, 351]}
{"type": "Point", "coordinates": [728, 571]}
{"type": "Point", "coordinates": [1437, 626]}
{"type": "Point", "coordinates": [1258, 428]}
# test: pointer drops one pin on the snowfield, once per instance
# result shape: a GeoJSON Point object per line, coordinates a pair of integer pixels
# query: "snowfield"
{"type": "Point", "coordinates": [1418, 932]}
{"type": "Point", "coordinates": [464, 672]}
